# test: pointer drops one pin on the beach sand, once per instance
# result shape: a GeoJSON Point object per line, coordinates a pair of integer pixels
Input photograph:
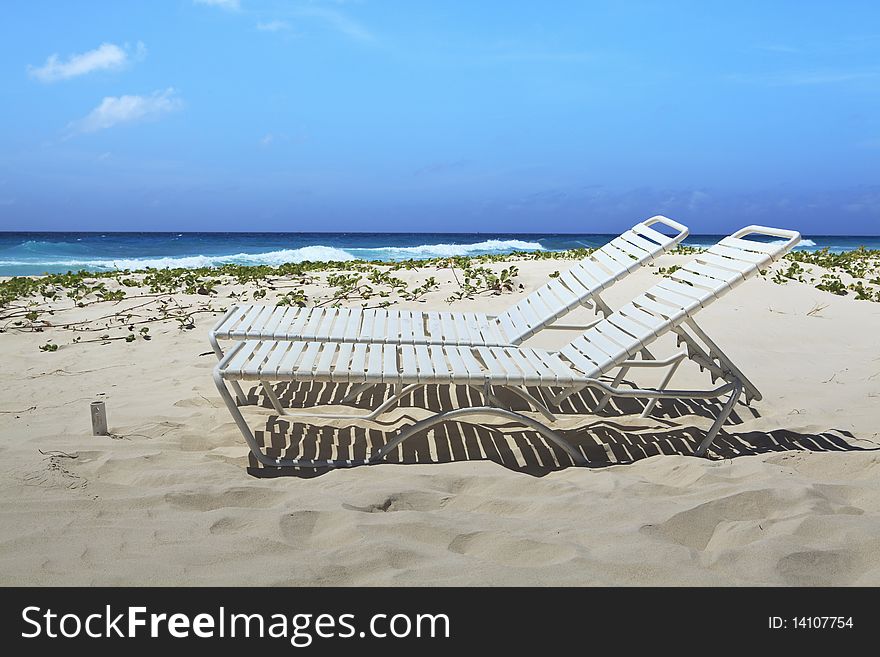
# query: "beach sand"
{"type": "Point", "coordinates": [791, 495]}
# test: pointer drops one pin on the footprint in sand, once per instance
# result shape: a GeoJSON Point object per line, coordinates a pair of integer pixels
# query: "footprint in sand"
{"type": "Point", "coordinates": [407, 501]}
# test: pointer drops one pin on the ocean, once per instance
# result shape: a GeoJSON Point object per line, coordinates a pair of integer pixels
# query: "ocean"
{"type": "Point", "coordinates": [38, 253]}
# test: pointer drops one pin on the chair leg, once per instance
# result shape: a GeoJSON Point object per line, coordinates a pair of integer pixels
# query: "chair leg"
{"type": "Point", "coordinates": [721, 419]}
{"type": "Point", "coordinates": [653, 402]}
{"type": "Point", "coordinates": [270, 393]}
{"type": "Point", "coordinates": [607, 396]}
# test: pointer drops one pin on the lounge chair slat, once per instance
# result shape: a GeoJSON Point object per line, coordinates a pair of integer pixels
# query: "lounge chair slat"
{"type": "Point", "coordinates": [354, 325]}
{"type": "Point", "coordinates": [340, 371]}
{"type": "Point", "coordinates": [375, 353]}
{"type": "Point", "coordinates": [719, 262]}
{"type": "Point", "coordinates": [475, 324]}
{"type": "Point", "coordinates": [559, 298]}
{"type": "Point", "coordinates": [325, 359]}
{"type": "Point", "coordinates": [310, 330]}
{"type": "Point", "coordinates": [462, 328]}
{"type": "Point", "coordinates": [418, 327]}
{"type": "Point", "coordinates": [381, 328]}
{"type": "Point", "coordinates": [408, 362]}
{"type": "Point", "coordinates": [439, 363]}
{"type": "Point", "coordinates": [405, 323]}
{"type": "Point", "coordinates": [224, 330]}
{"type": "Point", "coordinates": [423, 359]}
{"type": "Point", "coordinates": [457, 367]}
{"type": "Point", "coordinates": [390, 368]}
{"type": "Point", "coordinates": [447, 325]}
{"type": "Point", "coordinates": [359, 363]}
{"type": "Point", "coordinates": [435, 328]}
{"type": "Point", "coordinates": [491, 332]}
{"type": "Point", "coordinates": [343, 315]}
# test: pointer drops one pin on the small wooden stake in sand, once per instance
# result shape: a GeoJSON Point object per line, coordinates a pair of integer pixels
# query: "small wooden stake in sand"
{"type": "Point", "coordinates": [99, 419]}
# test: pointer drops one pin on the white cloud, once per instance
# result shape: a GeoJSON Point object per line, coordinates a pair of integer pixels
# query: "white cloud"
{"type": "Point", "coordinates": [273, 26]}
{"type": "Point", "coordinates": [106, 57]}
{"type": "Point", "coordinates": [115, 110]}
{"type": "Point", "coordinates": [340, 22]}
{"type": "Point", "coordinates": [232, 5]}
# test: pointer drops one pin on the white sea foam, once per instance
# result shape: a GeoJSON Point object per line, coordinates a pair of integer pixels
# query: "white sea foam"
{"type": "Point", "coordinates": [804, 243]}
{"type": "Point", "coordinates": [445, 250]}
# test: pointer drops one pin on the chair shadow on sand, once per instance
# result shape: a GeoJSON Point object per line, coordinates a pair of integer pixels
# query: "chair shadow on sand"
{"type": "Point", "coordinates": [603, 440]}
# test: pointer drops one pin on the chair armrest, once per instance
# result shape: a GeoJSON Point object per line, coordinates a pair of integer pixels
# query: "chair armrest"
{"type": "Point", "coordinates": [792, 237]}
{"type": "Point", "coordinates": [671, 223]}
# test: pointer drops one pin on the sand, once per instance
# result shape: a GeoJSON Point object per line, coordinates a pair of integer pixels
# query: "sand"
{"type": "Point", "coordinates": [790, 495]}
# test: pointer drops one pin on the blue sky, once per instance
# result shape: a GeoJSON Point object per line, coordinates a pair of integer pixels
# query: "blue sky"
{"type": "Point", "coordinates": [429, 116]}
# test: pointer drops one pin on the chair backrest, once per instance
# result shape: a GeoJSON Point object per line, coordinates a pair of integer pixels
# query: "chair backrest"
{"type": "Point", "coordinates": [622, 255]}
{"type": "Point", "coordinates": [708, 276]}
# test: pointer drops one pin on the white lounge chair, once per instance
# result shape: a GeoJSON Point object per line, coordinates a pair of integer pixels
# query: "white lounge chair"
{"type": "Point", "coordinates": [580, 285]}
{"type": "Point", "coordinates": [611, 343]}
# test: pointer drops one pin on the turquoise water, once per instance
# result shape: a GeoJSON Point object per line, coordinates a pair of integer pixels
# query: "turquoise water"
{"type": "Point", "coordinates": [38, 253]}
